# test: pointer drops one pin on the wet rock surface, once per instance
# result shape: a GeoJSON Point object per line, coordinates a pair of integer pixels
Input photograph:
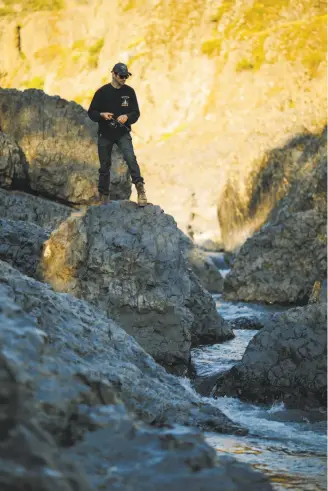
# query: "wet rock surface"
{"type": "Point", "coordinates": [246, 323]}
{"type": "Point", "coordinates": [282, 261]}
{"type": "Point", "coordinates": [285, 361]}
{"type": "Point", "coordinates": [129, 262]}
{"type": "Point", "coordinates": [71, 428]}
{"type": "Point", "coordinates": [58, 141]}
{"type": "Point", "coordinates": [204, 384]}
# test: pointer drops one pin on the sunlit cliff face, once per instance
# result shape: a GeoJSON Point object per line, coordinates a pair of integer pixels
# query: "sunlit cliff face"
{"type": "Point", "coordinates": [219, 85]}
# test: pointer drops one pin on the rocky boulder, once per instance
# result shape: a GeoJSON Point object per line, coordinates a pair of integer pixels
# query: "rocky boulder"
{"type": "Point", "coordinates": [64, 416]}
{"type": "Point", "coordinates": [13, 166]}
{"type": "Point", "coordinates": [249, 323]}
{"type": "Point", "coordinates": [204, 267]}
{"type": "Point", "coordinates": [28, 208]}
{"type": "Point", "coordinates": [29, 456]}
{"type": "Point", "coordinates": [21, 244]}
{"type": "Point", "coordinates": [90, 345]}
{"type": "Point", "coordinates": [282, 261]}
{"type": "Point", "coordinates": [285, 361]}
{"type": "Point", "coordinates": [59, 143]}
{"type": "Point", "coordinates": [49, 214]}
{"type": "Point", "coordinates": [129, 262]}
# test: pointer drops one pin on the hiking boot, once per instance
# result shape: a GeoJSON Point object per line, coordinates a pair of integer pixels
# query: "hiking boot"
{"type": "Point", "coordinates": [99, 199]}
{"type": "Point", "coordinates": [142, 198]}
{"type": "Point", "coordinates": [105, 199]}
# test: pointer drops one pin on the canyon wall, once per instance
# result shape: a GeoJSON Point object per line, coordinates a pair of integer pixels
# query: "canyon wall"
{"type": "Point", "coordinates": [220, 85]}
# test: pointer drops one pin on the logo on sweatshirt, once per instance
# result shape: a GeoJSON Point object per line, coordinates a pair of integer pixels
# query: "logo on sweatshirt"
{"type": "Point", "coordinates": [125, 101]}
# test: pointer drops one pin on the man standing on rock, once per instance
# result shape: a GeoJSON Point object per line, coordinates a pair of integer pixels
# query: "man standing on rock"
{"type": "Point", "coordinates": [115, 107]}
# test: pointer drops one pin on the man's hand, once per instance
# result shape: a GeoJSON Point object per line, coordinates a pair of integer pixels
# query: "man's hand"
{"type": "Point", "coordinates": [122, 119]}
{"type": "Point", "coordinates": [107, 116]}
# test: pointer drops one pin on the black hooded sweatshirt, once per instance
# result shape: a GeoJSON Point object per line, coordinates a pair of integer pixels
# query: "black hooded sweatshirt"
{"type": "Point", "coordinates": [117, 101]}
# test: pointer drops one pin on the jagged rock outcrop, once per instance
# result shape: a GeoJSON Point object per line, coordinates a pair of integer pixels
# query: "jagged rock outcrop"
{"type": "Point", "coordinates": [252, 323]}
{"type": "Point", "coordinates": [29, 456]}
{"type": "Point", "coordinates": [28, 208]}
{"type": "Point", "coordinates": [63, 413]}
{"type": "Point", "coordinates": [59, 144]}
{"type": "Point", "coordinates": [282, 261]}
{"type": "Point", "coordinates": [285, 361]}
{"type": "Point", "coordinates": [49, 215]}
{"type": "Point", "coordinates": [17, 206]}
{"type": "Point", "coordinates": [129, 262]}
{"type": "Point", "coordinates": [205, 269]}
{"type": "Point", "coordinates": [13, 166]}
{"type": "Point", "coordinates": [87, 342]}
{"type": "Point", "coordinates": [21, 244]}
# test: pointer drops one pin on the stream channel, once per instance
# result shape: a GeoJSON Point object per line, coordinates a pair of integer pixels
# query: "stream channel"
{"type": "Point", "coordinates": [290, 446]}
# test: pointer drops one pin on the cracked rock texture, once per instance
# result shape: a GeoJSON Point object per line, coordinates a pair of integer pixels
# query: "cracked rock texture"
{"type": "Point", "coordinates": [58, 141]}
{"type": "Point", "coordinates": [129, 262]}
{"type": "Point", "coordinates": [65, 415]}
{"type": "Point", "coordinates": [282, 261]}
{"type": "Point", "coordinates": [34, 209]}
{"type": "Point", "coordinates": [49, 215]}
{"type": "Point", "coordinates": [13, 166]}
{"type": "Point", "coordinates": [20, 206]}
{"type": "Point", "coordinates": [21, 244]}
{"type": "Point", "coordinates": [285, 361]}
{"type": "Point", "coordinates": [86, 341]}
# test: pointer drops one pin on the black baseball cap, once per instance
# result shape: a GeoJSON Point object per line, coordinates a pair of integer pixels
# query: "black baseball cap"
{"type": "Point", "coordinates": [121, 69]}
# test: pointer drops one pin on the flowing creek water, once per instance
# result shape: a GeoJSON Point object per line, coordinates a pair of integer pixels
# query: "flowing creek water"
{"type": "Point", "coordinates": [288, 445]}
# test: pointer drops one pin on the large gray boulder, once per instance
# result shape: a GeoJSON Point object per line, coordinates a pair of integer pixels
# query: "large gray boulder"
{"type": "Point", "coordinates": [84, 340]}
{"type": "Point", "coordinates": [285, 361]}
{"type": "Point", "coordinates": [282, 261]}
{"type": "Point", "coordinates": [59, 143]}
{"type": "Point", "coordinates": [129, 262]}
{"type": "Point", "coordinates": [34, 209]}
{"type": "Point", "coordinates": [57, 409]}
{"type": "Point", "coordinates": [17, 205]}
{"type": "Point", "coordinates": [29, 456]}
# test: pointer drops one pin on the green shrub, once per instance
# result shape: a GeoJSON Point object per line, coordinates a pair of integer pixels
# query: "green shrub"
{"type": "Point", "coordinates": [212, 47]}
{"type": "Point", "coordinates": [136, 57]}
{"type": "Point", "coordinates": [244, 64]}
{"type": "Point", "coordinates": [36, 5]}
{"type": "Point", "coordinates": [50, 53]}
{"type": "Point", "coordinates": [128, 5]}
{"type": "Point", "coordinates": [301, 39]}
{"type": "Point", "coordinates": [6, 11]}
{"type": "Point", "coordinates": [225, 6]}
{"type": "Point", "coordinates": [79, 45]}
{"type": "Point", "coordinates": [35, 83]}
{"type": "Point", "coordinates": [94, 52]}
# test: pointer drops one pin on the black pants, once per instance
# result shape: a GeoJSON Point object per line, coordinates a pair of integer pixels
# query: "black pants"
{"type": "Point", "coordinates": [105, 147]}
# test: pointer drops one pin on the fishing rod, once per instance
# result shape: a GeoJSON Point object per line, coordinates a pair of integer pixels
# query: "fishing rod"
{"type": "Point", "coordinates": [114, 122]}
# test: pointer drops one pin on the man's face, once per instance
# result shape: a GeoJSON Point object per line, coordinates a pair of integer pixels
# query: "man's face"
{"type": "Point", "coordinates": [120, 79]}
